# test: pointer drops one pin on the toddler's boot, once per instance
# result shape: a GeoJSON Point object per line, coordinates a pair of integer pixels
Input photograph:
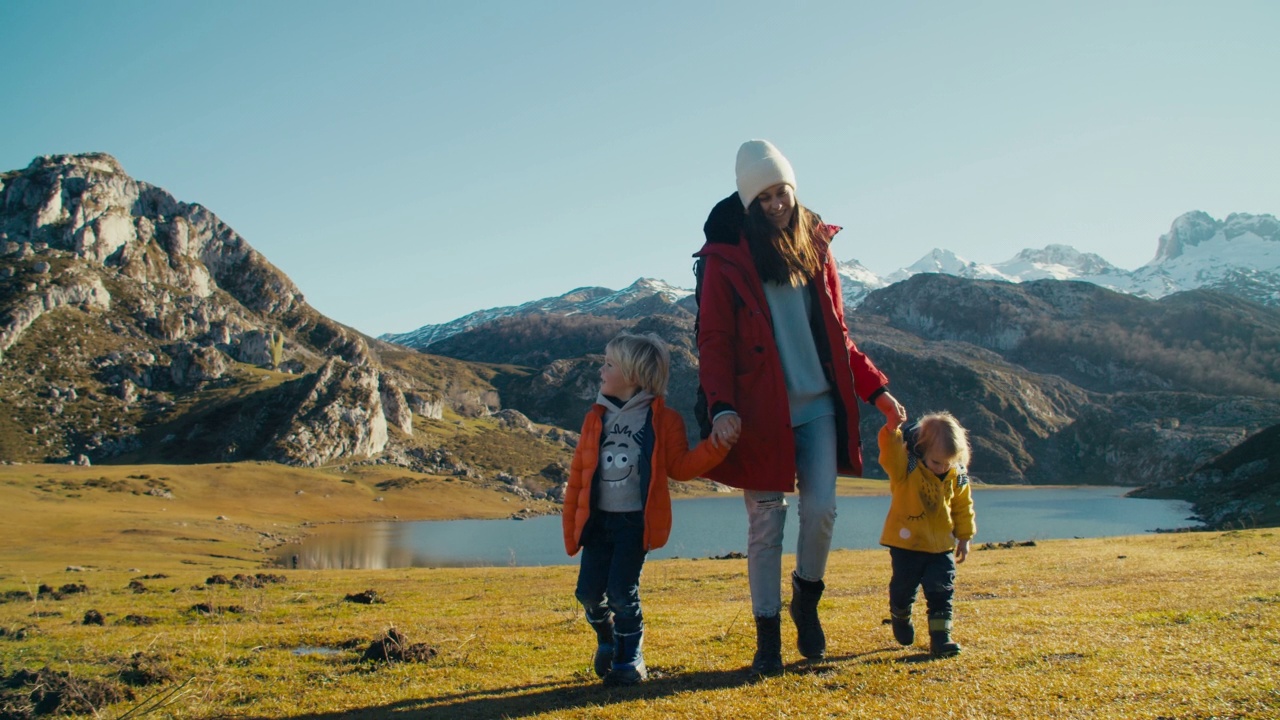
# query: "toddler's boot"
{"type": "Point", "coordinates": [805, 594]}
{"type": "Point", "coordinates": [768, 659]}
{"type": "Point", "coordinates": [628, 659]}
{"type": "Point", "coordinates": [604, 644]}
{"type": "Point", "coordinates": [903, 631]}
{"type": "Point", "coordinates": [940, 643]}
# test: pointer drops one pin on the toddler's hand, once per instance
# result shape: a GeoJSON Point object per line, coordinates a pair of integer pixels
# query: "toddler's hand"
{"type": "Point", "coordinates": [962, 550]}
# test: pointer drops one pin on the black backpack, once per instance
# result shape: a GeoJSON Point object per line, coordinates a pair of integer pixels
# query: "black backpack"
{"type": "Point", "coordinates": [700, 402]}
{"type": "Point", "coordinates": [723, 225]}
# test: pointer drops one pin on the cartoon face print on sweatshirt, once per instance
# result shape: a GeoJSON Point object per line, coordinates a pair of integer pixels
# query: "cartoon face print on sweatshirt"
{"type": "Point", "coordinates": [620, 454]}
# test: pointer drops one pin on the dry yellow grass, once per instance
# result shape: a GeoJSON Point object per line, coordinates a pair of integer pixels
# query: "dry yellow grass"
{"type": "Point", "coordinates": [107, 517]}
{"type": "Point", "coordinates": [1165, 626]}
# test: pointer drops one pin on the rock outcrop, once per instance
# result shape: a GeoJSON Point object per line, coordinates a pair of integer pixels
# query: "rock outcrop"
{"type": "Point", "coordinates": [132, 296]}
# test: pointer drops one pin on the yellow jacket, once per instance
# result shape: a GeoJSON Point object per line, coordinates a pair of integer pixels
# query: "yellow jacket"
{"type": "Point", "coordinates": [926, 513]}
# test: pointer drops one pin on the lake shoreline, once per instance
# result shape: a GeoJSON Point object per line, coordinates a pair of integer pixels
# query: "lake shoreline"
{"type": "Point", "coordinates": [713, 526]}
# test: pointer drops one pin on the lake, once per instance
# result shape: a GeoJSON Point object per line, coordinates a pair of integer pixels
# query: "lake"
{"type": "Point", "coordinates": [714, 526]}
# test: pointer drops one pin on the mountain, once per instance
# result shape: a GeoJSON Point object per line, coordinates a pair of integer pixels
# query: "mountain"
{"type": "Point", "coordinates": [1059, 381]}
{"type": "Point", "coordinates": [643, 297]}
{"type": "Point", "coordinates": [1239, 256]}
{"type": "Point", "coordinates": [138, 328]}
{"type": "Point", "coordinates": [1069, 380]}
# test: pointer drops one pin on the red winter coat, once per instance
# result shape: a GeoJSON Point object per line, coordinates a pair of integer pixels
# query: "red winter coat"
{"type": "Point", "coordinates": [740, 365]}
{"type": "Point", "coordinates": [671, 458]}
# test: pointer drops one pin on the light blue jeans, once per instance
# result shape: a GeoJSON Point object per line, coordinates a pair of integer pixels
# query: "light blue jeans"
{"type": "Point", "coordinates": [767, 515]}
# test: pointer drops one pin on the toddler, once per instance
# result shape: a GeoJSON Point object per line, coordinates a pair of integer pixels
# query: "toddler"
{"type": "Point", "coordinates": [930, 522]}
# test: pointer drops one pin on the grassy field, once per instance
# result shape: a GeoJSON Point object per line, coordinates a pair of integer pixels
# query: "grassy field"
{"type": "Point", "coordinates": [192, 625]}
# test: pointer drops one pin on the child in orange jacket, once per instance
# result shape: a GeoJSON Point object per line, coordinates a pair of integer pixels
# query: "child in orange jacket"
{"type": "Point", "coordinates": [617, 506]}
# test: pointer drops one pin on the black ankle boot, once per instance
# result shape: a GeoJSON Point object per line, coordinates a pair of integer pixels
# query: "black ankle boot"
{"type": "Point", "coordinates": [903, 631]}
{"type": "Point", "coordinates": [940, 643]}
{"type": "Point", "coordinates": [768, 659]}
{"type": "Point", "coordinates": [805, 594]}
{"type": "Point", "coordinates": [604, 645]}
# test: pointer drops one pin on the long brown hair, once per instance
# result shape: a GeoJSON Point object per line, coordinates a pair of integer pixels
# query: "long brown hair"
{"type": "Point", "coordinates": [787, 255]}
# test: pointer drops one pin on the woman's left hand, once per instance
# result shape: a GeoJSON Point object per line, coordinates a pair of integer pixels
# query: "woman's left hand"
{"type": "Point", "coordinates": [894, 413]}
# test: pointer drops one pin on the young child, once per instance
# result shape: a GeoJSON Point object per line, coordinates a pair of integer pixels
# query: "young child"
{"type": "Point", "coordinates": [930, 516]}
{"type": "Point", "coordinates": [617, 506]}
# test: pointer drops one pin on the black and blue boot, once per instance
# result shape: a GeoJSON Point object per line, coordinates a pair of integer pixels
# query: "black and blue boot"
{"type": "Point", "coordinates": [628, 659]}
{"type": "Point", "coordinates": [603, 660]}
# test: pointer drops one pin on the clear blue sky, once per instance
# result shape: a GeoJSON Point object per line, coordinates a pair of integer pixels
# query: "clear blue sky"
{"type": "Point", "coordinates": [409, 162]}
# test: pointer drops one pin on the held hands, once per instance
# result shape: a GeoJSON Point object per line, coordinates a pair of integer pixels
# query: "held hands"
{"type": "Point", "coordinates": [726, 429]}
{"type": "Point", "coordinates": [962, 550]}
{"type": "Point", "coordinates": [894, 413]}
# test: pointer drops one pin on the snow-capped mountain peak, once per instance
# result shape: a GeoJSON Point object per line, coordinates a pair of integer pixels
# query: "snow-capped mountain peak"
{"type": "Point", "coordinates": [1060, 262]}
{"type": "Point", "coordinates": [1239, 256]}
{"type": "Point", "coordinates": [593, 300]}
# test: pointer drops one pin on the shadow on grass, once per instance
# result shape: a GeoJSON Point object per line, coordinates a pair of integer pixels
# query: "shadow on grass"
{"type": "Point", "coordinates": [540, 698]}
{"type": "Point", "coordinates": [574, 694]}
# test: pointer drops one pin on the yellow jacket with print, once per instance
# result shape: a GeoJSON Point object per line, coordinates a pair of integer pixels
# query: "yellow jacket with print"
{"type": "Point", "coordinates": [926, 513]}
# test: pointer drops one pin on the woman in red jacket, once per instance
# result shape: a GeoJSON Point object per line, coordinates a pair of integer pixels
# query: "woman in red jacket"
{"type": "Point", "coordinates": [782, 381]}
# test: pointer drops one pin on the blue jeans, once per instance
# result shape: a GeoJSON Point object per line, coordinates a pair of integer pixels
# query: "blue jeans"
{"type": "Point", "coordinates": [935, 572]}
{"type": "Point", "coordinates": [609, 577]}
{"type": "Point", "coordinates": [767, 515]}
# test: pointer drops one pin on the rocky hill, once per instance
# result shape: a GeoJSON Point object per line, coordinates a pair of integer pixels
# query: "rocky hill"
{"type": "Point", "coordinates": [136, 327]}
{"type": "Point", "coordinates": [1238, 489]}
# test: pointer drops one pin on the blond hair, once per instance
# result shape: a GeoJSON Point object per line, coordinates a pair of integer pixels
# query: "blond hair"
{"type": "Point", "coordinates": [643, 360]}
{"type": "Point", "coordinates": [942, 433]}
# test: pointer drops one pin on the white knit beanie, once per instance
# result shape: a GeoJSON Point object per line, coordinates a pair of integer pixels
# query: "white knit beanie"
{"type": "Point", "coordinates": [761, 165]}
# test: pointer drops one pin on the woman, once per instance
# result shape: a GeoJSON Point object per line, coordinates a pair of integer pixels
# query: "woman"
{"type": "Point", "coordinates": [782, 379]}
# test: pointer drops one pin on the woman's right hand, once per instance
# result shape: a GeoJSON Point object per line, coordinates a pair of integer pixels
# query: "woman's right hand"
{"type": "Point", "coordinates": [726, 429]}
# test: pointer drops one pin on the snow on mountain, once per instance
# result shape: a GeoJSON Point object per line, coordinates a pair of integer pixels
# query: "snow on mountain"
{"type": "Point", "coordinates": [940, 261]}
{"type": "Point", "coordinates": [856, 281]}
{"type": "Point", "coordinates": [1239, 256]}
{"type": "Point", "coordinates": [1057, 262]}
{"type": "Point", "coordinates": [594, 300]}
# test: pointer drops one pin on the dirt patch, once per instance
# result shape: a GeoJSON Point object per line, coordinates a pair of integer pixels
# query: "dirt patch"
{"type": "Point", "coordinates": [245, 581]}
{"type": "Point", "coordinates": [143, 669]}
{"type": "Point", "coordinates": [368, 597]}
{"type": "Point", "coordinates": [16, 633]}
{"type": "Point", "coordinates": [26, 694]}
{"type": "Point", "coordinates": [395, 647]}
{"type": "Point", "coordinates": [14, 596]}
{"type": "Point", "coordinates": [137, 620]}
{"type": "Point", "coordinates": [399, 483]}
{"type": "Point", "coordinates": [211, 609]}
{"type": "Point", "coordinates": [1006, 545]}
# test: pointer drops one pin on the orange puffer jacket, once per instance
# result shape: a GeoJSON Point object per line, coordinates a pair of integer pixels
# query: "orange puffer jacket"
{"type": "Point", "coordinates": [671, 458]}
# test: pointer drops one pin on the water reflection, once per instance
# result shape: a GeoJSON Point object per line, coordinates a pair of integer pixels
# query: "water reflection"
{"type": "Point", "coordinates": [710, 527]}
{"type": "Point", "coordinates": [371, 546]}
